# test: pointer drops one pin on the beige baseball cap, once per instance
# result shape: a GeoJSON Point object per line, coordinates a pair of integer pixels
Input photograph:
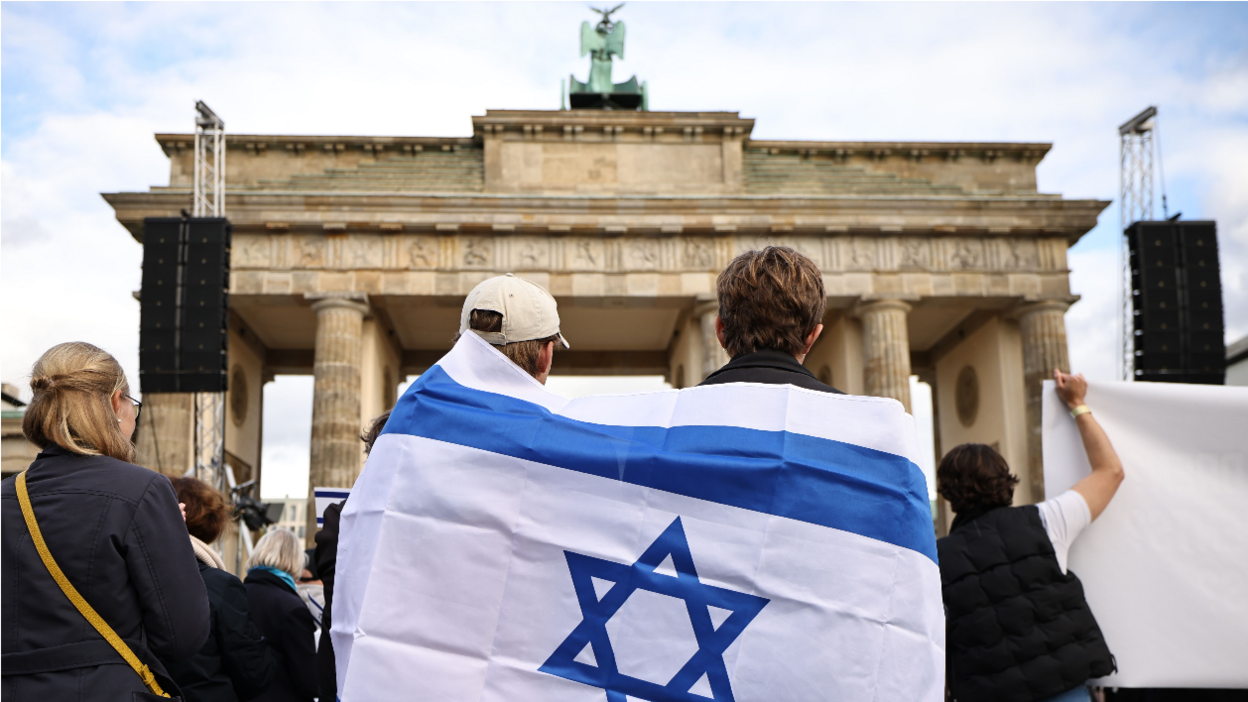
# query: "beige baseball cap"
{"type": "Point", "coordinates": [529, 312]}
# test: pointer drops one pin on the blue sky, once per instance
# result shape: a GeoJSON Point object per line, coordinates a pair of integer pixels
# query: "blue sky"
{"type": "Point", "coordinates": [84, 87]}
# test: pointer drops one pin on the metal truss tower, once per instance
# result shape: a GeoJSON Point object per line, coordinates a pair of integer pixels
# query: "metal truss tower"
{"type": "Point", "coordinates": [1137, 152]}
{"type": "Point", "coordinates": [208, 200]}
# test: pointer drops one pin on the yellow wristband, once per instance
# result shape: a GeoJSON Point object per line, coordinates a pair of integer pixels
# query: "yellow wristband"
{"type": "Point", "coordinates": [1081, 409]}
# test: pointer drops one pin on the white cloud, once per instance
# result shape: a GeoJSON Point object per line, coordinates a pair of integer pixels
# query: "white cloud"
{"type": "Point", "coordinates": [1226, 200]}
{"type": "Point", "coordinates": [1092, 323]}
{"type": "Point", "coordinates": [86, 86]}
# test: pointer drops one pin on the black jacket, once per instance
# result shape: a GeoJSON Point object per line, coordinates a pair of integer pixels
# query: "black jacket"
{"type": "Point", "coordinates": [236, 663]}
{"type": "Point", "coordinates": [288, 627]}
{"type": "Point", "coordinates": [116, 532]}
{"type": "Point", "coordinates": [326, 558]}
{"type": "Point", "coordinates": [770, 367]}
{"type": "Point", "coordinates": [1018, 628]}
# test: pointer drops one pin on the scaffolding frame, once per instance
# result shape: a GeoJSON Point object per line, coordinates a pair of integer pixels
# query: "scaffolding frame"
{"type": "Point", "coordinates": [1136, 155]}
{"type": "Point", "coordinates": [208, 200]}
{"type": "Point", "coordinates": [209, 189]}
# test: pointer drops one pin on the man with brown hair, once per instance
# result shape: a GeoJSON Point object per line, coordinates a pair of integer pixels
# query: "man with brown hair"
{"type": "Point", "coordinates": [770, 313]}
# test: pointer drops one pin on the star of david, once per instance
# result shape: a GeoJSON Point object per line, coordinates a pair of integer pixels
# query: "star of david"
{"type": "Point", "coordinates": [596, 611]}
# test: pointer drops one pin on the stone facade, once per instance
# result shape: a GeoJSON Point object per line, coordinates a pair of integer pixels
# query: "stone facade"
{"type": "Point", "coordinates": [352, 255]}
{"type": "Point", "coordinates": [16, 453]}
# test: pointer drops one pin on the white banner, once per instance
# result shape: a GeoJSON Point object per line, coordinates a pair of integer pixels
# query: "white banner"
{"type": "Point", "coordinates": [1165, 567]}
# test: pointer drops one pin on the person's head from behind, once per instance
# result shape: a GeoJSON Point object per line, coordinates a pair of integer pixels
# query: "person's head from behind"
{"type": "Point", "coordinates": [519, 318]}
{"type": "Point", "coordinates": [975, 479]}
{"type": "Point", "coordinates": [770, 300]}
{"type": "Point", "coordinates": [207, 512]}
{"type": "Point", "coordinates": [278, 549]}
{"type": "Point", "coordinates": [81, 403]}
{"type": "Point", "coordinates": [369, 437]}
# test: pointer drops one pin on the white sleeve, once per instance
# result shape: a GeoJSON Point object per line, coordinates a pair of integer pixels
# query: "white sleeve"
{"type": "Point", "coordinates": [1064, 518]}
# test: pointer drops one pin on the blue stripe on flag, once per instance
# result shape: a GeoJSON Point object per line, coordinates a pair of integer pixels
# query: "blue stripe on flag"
{"type": "Point", "coordinates": [829, 483]}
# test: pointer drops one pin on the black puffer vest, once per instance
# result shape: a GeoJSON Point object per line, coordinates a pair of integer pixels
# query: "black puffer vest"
{"type": "Point", "coordinates": [1018, 629]}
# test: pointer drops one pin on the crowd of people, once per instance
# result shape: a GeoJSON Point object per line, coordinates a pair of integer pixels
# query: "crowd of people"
{"type": "Point", "coordinates": [112, 590]}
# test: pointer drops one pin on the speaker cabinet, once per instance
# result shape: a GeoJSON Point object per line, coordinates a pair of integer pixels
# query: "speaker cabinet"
{"type": "Point", "coordinates": [184, 317]}
{"type": "Point", "coordinates": [1177, 299]}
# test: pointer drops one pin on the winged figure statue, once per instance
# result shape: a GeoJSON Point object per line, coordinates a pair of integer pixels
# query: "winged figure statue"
{"type": "Point", "coordinates": [603, 42]}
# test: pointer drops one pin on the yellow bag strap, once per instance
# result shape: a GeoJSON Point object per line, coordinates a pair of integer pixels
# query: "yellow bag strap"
{"type": "Point", "coordinates": [85, 609]}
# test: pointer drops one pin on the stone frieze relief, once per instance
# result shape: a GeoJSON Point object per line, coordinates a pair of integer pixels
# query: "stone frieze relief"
{"type": "Point", "coordinates": [422, 252]}
{"type": "Point", "coordinates": [476, 252]}
{"type": "Point", "coordinates": [621, 254]}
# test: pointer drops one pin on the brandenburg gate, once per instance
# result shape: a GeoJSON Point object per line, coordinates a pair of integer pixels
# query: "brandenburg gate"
{"type": "Point", "coordinates": [352, 255]}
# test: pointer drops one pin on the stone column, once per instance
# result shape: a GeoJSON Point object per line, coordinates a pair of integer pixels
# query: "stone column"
{"type": "Point", "coordinates": [165, 439]}
{"type": "Point", "coordinates": [713, 354]}
{"type": "Point", "coordinates": [1042, 326]}
{"type": "Point", "coordinates": [886, 349]}
{"type": "Point", "coordinates": [336, 448]}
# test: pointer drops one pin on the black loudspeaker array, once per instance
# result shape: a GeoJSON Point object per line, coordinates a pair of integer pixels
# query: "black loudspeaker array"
{"type": "Point", "coordinates": [184, 304]}
{"type": "Point", "coordinates": [1177, 298]}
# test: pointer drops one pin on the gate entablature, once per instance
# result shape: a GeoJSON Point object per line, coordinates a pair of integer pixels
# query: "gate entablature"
{"type": "Point", "coordinates": [351, 255]}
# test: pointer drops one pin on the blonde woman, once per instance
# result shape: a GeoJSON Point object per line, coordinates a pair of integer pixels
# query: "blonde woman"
{"type": "Point", "coordinates": [116, 533]}
{"type": "Point", "coordinates": [282, 617]}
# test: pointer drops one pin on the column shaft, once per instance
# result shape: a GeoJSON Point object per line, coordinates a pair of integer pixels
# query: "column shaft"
{"type": "Point", "coordinates": [886, 349]}
{"type": "Point", "coordinates": [336, 449]}
{"type": "Point", "coordinates": [166, 433]}
{"type": "Point", "coordinates": [1043, 330]}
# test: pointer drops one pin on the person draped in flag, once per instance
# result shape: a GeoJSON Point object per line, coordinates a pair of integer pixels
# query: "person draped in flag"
{"type": "Point", "coordinates": [1020, 629]}
{"type": "Point", "coordinates": [521, 320]}
{"type": "Point", "coordinates": [758, 537]}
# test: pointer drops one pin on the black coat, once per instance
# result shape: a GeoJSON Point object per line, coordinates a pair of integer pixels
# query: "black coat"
{"type": "Point", "coordinates": [116, 532]}
{"type": "Point", "coordinates": [326, 560]}
{"type": "Point", "coordinates": [236, 663]}
{"type": "Point", "coordinates": [769, 367]}
{"type": "Point", "coordinates": [288, 627]}
{"type": "Point", "coordinates": [1018, 629]}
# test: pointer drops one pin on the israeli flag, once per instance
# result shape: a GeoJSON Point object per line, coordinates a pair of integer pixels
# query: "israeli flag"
{"type": "Point", "coordinates": [731, 542]}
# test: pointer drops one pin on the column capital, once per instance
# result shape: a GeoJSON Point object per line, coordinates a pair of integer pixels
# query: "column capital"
{"type": "Point", "coordinates": [350, 300]}
{"type": "Point", "coordinates": [1030, 307]}
{"type": "Point", "coordinates": [704, 305]}
{"type": "Point", "coordinates": [865, 305]}
{"type": "Point", "coordinates": [713, 354]}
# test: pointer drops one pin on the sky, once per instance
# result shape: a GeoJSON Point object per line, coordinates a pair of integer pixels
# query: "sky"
{"type": "Point", "coordinates": [83, 87]}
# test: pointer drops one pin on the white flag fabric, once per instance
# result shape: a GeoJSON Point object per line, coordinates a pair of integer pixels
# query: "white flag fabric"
{"type": "Point", "coordinates": [733, 542]}
{"type": "Point", "coordinates": [1165, 565]}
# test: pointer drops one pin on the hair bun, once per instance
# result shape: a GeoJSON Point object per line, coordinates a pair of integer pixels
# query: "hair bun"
{"type": "Point", "coordinates": [42, 383]}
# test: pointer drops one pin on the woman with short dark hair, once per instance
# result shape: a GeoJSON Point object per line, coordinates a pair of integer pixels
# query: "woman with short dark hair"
{"type": "Point", "coordinates": [112, 529]}
{"type": "Point", "coordinates": [1019, 628]}
{"type": "Point", "coordinates": [235, 664]}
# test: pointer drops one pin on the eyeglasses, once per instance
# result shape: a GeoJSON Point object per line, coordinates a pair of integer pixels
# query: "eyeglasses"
{"type": "Point", "coordinates": [138, 406]}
